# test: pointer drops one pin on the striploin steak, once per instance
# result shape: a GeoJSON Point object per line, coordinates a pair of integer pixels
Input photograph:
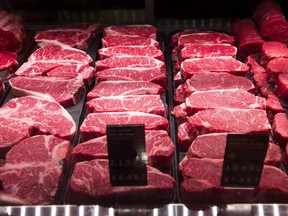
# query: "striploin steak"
{"type": "Point", "coordinates": [143, 103]}
{"type": "Point", "coordinates": [213, 64]}
{"type": "Point", "coordinates": [117, 88]}
{"type": "Point", "coordinates": [94, 124]}
{"type": "Point", "coordinates": [109, 41]}
{"type": "Point", "coordinates": [159, 149]}
{"type": "Point", "coordinates": [90, 184]}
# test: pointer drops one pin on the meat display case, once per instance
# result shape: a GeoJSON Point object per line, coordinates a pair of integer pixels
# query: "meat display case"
{"type": "Point", "coordinates": [169, 20]}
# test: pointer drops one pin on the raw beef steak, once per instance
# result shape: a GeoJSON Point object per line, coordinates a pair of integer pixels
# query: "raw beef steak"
{"type": "Point", "coordinates": [281, 87]}
{"type": "Point", "coordinates": [26, 116]}
{"type": "Point", "coordinates": [271, 21]}
{"type": "Point", "coordinates": [148, 31]}
{"type": "Point", "coordinates": [150, 74]}
{"type": "Point", "coordinates": [207, 50]}
{"type": "Point", "coordinates": [61, 54]}
{"type": "Point", "coordinates": [109, 41]}
{"type": "Point", "coordinates": [208, 81]}
{"type": "Point", "coordinates": [213, 64]}
{"type": "Point", "coordinates": [125, 61]}
{"type": "Point", "coordinates": [275, 67]}
{"type": "Point", "coordinates": [247, 37]}
{"type": "Point", "coordinates": [202, 178]}
{"type": "Point", "coordinates": [122, 88]}
{"type": "Point", "coordinates": [149, 51]}
{"type": "Point", "coordinates": [90, 184]}
{"type": "Point", "coordinates": [213, 146]}
{"type": "Point", "coordinates": [271, 50]}
{"type": "Point", "coordinates": [12, 31]}
{"type": "Point", "coordinates": [7, 60]}
{"type": "Point", "coordinates": [159, 149]}
{"type": "Point", "coordinates": [204, 38]}
{"type": "Point", "coordinates": [71, 36]}
{"type": "Point", "coordinates": [64, 71]}
{"type": "Point", "coordinates": [228, 98]}
{"type": "Point", "coordinates": [66, 92]}
{"type": "Point", "coordinates": [143, 103]}
{"type": "Point", "coordinates": [280, 129]}
{"type": "Point", "coordinates": [94, 125]}
{"type": "Point", "coordinates": [243, 121]}
{"type": "Point", "coordinates": [35, 164]}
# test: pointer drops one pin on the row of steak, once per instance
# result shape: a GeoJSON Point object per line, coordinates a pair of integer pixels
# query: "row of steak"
{"type": "Point", "coordinates": [218, 91]}
{"type": "Point", "coordinates": [130, 89]}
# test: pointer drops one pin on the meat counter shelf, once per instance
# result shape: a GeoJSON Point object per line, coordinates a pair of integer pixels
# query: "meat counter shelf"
{"type": "Point", "coordinates": [171, 210]}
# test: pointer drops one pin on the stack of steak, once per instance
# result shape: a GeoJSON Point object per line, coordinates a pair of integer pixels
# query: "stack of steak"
{"type": "Point", "coordinates": [213, 97]}
{"type": "Point", "coordinates": [130, 89]}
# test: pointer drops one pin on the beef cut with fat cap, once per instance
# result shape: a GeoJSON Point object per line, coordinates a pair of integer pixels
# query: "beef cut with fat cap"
{"type": "Point", "coordinates": [90, 184]}
{"type": "Point", "coordinates": [143, 103]}
{"type": "Point", "coordinates": [76, 36]}
{"type": "Point", "coordinates": [26, 116]}
{"type": "Point", "coordinates": [66, 92]}
{"type": "Point", "coordinates": [109, 41]}
{"type": "Point", "coordinates": [159, 149]}
{"type": "Point", "coordinates": [122, 88]}
{"type": "Point", "coordinates": [213, 64]}
{"type": "Point", "coordinates": [150, 74]}
{"type": "Point", "coordinates": [149, 51]}
{"type": "Point", "coordinates": [125, 61]}
{"type": "Point", "coordinates": [246, 121]}
{"type": "Point", "coordinates": [203, 81]}
{"type": "Point", "coordinates": [202, 179]}
{"type": "Point", "coordinates": [35, 163]}
{"type": "Point", "coordinates": [228, 98]}
{"type": "Point", "coordinates": [143, 30]}
{"type": "Point", "coordinates": [94, 125]}
{"type": "Point", "coordinates": [213, 146]}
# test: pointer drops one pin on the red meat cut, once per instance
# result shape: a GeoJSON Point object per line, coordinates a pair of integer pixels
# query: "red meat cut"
{"type": "Point", "coordinates": [144, 30]}
{"type": "Point", "coordinates": [207, 50]}
{"type": "Point", "coordinates": [60, 53]}
{"type": "Point", "coordinates": [70, 35]}
{"type": "Point", "coordinates": [203, 81]}
{"type": "Point", "coordinates": [109, 41]}
{"type": "Point", "coordinates": [280, 129]}
{"type": "Point", "coordinates": [213, 64]}
{"type": "Point", "coordinates": [7, 60]}
{"type": "Point", "coordinates": [66, 92]}
{"type": "Point", "coordinates": [275, 67]}
{"type": "Point", "coordinates": [244, 121]}
{"type": "Point", "coordinates": [125, 61]}
{"type": "Point", "coordinates": [271, 50]}
{"type": "Point", "coordinates": [149, 51]}
{"type": "Point", "coordinates": [90, 184]}
{"type": "Point", "coordinates": [271, 21]}
{"type": "Point", "coordinates": [228, 98]}
{"type": "Point", "coordinates": [29, 115]}
{"type": "Point", "coordinates": [35, 163]}
{"type": "Point", "coordinates": [143, 103]}
{"type": "Point", "coordinates": [213, 146]}
{"type": "Point", "coordinates": [150, 74]}
{"type": "Point", "coordinates": [204, 38]}
{"type": "Point", "coordinates": [12, 31]}
{"type": "Point", "coordinates": [247, 37]}
{"type": "Point", "coordinates": [159, 149]}
{"type": "Point", "coordinates": [118, 88]}
{"type": "Point", "coordinates": [94, 125]}
{"type": "Point", "coordinates": [281, 87]}
{"type": "Point", "coordinates": [202, 178]}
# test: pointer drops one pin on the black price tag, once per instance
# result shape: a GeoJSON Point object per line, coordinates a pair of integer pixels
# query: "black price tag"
{"type": "Point", "coordinates": [127, 155]}
{"type": "Point", "coordinates": [244, 159]}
